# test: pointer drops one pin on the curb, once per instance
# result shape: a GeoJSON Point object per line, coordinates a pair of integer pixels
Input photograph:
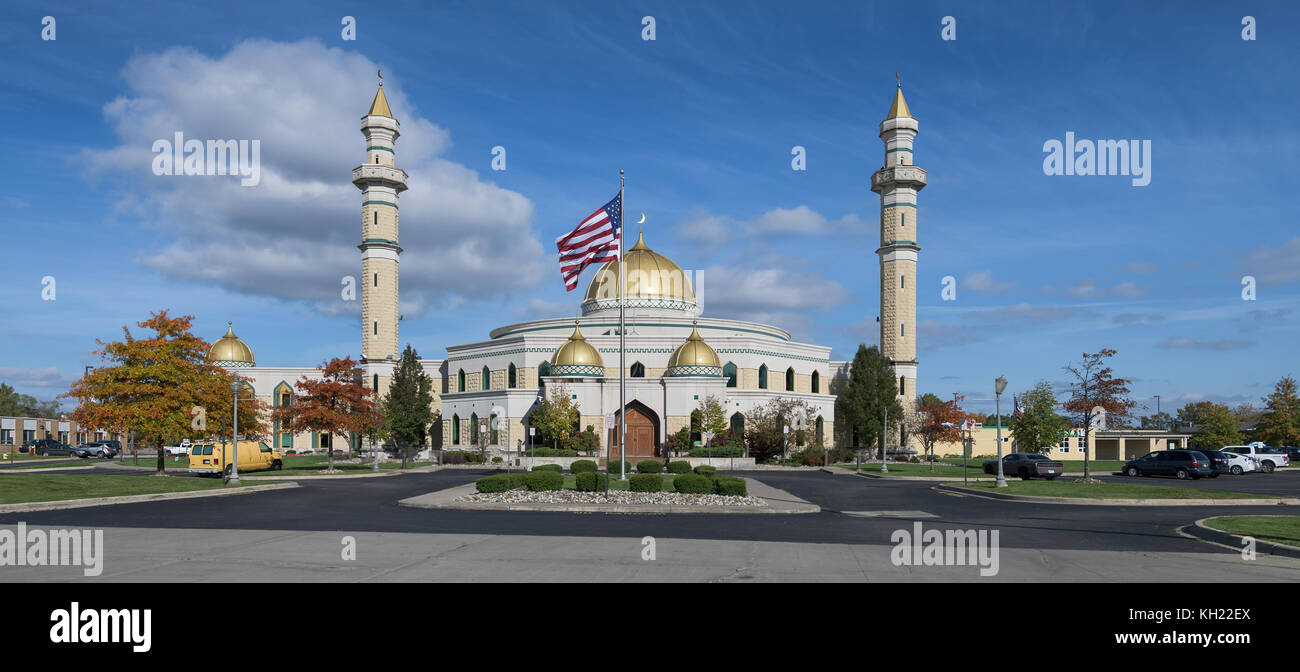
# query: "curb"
{"type": "Point", "coordinates": [24, 507]}
{"type": "Point", "coordinates": [1080, 501]}
{"type": "Point", "coordinates": [370, 474]}
{"type": "Point", "coordinates": [1204, 532]}
{"type": "Point", "coordinates": [44, 470]}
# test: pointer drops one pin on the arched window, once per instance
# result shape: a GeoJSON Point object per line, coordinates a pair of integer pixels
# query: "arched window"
{"type": "Point", "coordinates": [762, 377]}
{"type": "Point", "coordinates": [821, 432]}
{"type": "Point", "coordinates": [487, 381]}
{"type": "Point", "coordinates": [544, 369]}
{"type": "Point", "coordinates": [789, 379]}
{"type": "Point", "coordinates": [697, 426]}
{"type": "Point", "coordinates": [455, 430]}
{"type": "Point", "coordinates": [473, 429]}
{"type": "Point", "coordinates": [512, 380]}
{"type": "Point", "coordinates": [494, 432]}
{"type": "Point", "coordinates": [902, 385]}
{"type": "Point", "coordinates": [737, 428]}
{"type": "Point", "coordinates": [460, 381]}
{"type": "Point", "coordinates": [638, 370]}
{"type": "Point", "coordinates": [817, 382]}
{"type": "Point", "coordinates": [730, 372]}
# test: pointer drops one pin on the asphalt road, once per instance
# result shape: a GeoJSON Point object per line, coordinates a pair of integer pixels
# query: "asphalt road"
{"type": "Point", "coordinates": [369, 505]}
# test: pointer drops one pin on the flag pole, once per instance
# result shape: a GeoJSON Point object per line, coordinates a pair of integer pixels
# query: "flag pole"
{"type": "Point", "coordinates": [622, 349]}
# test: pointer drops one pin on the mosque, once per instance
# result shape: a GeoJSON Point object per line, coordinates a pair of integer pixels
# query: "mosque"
{"type": "Point", "coordinates": [676, 356]}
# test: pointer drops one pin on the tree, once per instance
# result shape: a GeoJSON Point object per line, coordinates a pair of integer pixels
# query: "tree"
{"type": "Point", "coordinates": [860, 406]}
{"type": "Point", "coordinates": [1095, 394]}
{"type": "Point", "coordinates": [713, 417]}
{"type": "Point", "coordinates": [557, 416]}
{"type": "Point", "coordinates": [936, 421]}
{"type": "Point", "coordinates": [408, 406]}
{"type": "Point", "coordinates": [1218, 427]}
{"type": "Point", "coordinates": [14, 404]}
{"type": "Point", "coordinates": [1192, 413]}
{"type": "Point", "coordinates": [160, 387]}
{"type": "Point", "coordinates": [336, 403]}
{"type": "Point", "coordinates": [1038, 427]}
{"type": "Point", "coordinates": [1279, 424]}
{"type": "Point", "coordinates": [1159, 420]}
{"type": "Point", "coordinates": [765, 425]}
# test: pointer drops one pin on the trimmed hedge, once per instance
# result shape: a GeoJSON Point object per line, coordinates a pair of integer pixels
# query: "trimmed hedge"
{"type": "Point", "coordinates": [730, 486]}
{"type": "Point", "coordinates": [544, 480]}
{"type": "Point", "coordinates": [627, 468]}
{"type": "Point", "coordinates": [717, 451]}
{"type": "Point", "coordinates": [706, 470]}
{"type": "Point", "coordinates": [589, 481]}
{"type": "Point", "coordinates": [649, 466]}
{"type": "Point", "coordinates": [548, 467]}
{"type": "Point", "coordinates": [499, 482]}
{"type": "Point", "coordinates": [679, 467]}
{"type": "Point", "coordinates": [539, 451]}
{"type": "Point", "coordinates": [645, 483]}
{"type": "Point", "coordinates": [694, 484]}
{"type": "Point", "coordinates": [583, 466]}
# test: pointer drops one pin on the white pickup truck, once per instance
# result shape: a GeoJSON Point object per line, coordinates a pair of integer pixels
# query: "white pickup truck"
{"type": "Point", "coordinates": [1267, 458]}
{"type": "Point", "coordinates": [179, 451]}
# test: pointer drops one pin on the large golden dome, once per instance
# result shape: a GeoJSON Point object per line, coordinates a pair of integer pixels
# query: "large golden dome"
{"type": "Point", "coordinates": [577, 357]}
{"type": "Point", "coordinates": [651, 281]}
{"type": "Point", "coordinates": [694, 357]}
{"type": "Point", "coordinates": [229, 350]}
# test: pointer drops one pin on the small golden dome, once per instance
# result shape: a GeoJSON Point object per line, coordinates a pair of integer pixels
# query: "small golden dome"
{"type": "Point", "coordinates": [694, 353]}
{"type": "Point", "coordinates": [577, 357]}
{"type": "Point", "coordinates": [229, 350]}
{"type": "Point", "coordinates": [899, 108]}
{"type": "Point", "coordinates": [647, 276]}
{"type": "Point", "coordinates": [379, 108]}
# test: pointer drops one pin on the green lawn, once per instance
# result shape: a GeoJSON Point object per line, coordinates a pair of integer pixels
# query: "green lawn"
{"type": "Point", "coordinates": [615, 484]}
{"type": "Point", "coordinates": [1280, 529]}
{"type": "Point", "coordinates": [308, 465]}
{"type": "Point", "coordinates": [43, 464]}
{"type": "Point", "coordinates": [54, 487]}
{"type": "Point", "coordinates": [1068, 488]}
{"type": "Point", "coordinates": [19, 457]}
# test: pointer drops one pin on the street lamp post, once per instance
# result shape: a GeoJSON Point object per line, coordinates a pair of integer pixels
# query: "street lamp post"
{"type": "Point", "coordinates": [884, 444]}
{"type": "Point", "coordinates": [234, 432]}
{"type": "Point", "coordinates": [1000, 385]}
{"type": "Point", "coordinates": [1160, 419]}
{"type": "Point", "coordinates": [785, 438]}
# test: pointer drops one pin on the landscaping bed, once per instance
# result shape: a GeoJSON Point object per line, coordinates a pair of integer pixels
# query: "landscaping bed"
{"type": "Point", "coordinates": [521, 496]}
{"type": "Point", "coordinates": [56, 487]}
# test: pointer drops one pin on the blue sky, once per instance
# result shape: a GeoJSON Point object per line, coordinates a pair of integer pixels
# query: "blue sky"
{"type": "Point", "coordinates": [703, 118]}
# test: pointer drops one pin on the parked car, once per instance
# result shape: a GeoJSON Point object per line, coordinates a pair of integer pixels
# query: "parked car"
{"type": "Point", "coordinates": [214, 459]}
{"type": "Point", "coordinates": [1229, 463]}
{"type": "Point", "coordinates": [1292, 452]}
{"type": "Point", "coordinates": [47, 447]}
{"type": "Point", "coordinates": [1026, 466]}
{"type": "Point", "coordinates": [181, 450]}
{"type": "Point", "coordinates": [1180, 464]}
{"type": "Point", "coordinates": [114, 446]}
{"type": "Point", "coordinates": [88, 450]}
{"type": "Point", "coordinates": [1268, 458]}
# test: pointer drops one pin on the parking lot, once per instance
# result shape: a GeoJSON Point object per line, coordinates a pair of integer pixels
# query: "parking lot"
{"type": "Point", "coordinates": [1283, 482]}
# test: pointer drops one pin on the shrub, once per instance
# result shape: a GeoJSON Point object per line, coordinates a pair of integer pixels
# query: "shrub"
{"type": "Point", "coordinates": [497, 459]}
{"type": "Point", "coordinates": [627, 468]}
{"type": "Point", "coordinates": [499, 482]}
{"type": "Point", "coordinates": [718, 451]}
{"type": "Point", "coordinates": [583, 466]}
{"type": "Point", "coordinates": [589, 481]}
{"type": "Point", "coordinates": [649, 466]}
{"type": "Point", "coordinates": [539, 451]}
{"type": "Point", "coordinates": [730, 486]}
{"type": "Point", "coordinates": [546, 479]}
{"type": "Point", "coordinates": [706, 470]}
{"type": "Point", "coordinates": [813, 457]}
{"type": "Point", "coordinates": [679, 467]}
{"type": "Point", "coordinates": [645, 483]}
{"type": "Point", "coordinates": [694, 484]}
{"type": "Point", "coordinates": [548, 467]}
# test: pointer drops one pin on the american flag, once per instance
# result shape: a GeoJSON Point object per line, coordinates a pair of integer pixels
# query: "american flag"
{"type": "Point", "coordinates": [594, 241]}
{"type": "Point", "coordinates": [1019, 412]}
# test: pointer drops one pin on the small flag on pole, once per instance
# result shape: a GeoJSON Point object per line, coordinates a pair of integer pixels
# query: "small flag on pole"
{"type": "Point", "coordinates": [1018, 412]}
{"type": "Point", "coordinates": [594, 241]}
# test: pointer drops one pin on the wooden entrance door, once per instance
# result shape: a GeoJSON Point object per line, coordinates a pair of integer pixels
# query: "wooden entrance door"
{"type": "Point", "coordinates": [640, 438]}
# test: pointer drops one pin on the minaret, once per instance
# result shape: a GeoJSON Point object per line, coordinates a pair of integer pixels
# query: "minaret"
{"type": "Point", "coordinates": [898, 183]}
{"type": "Point", "coordinates": [380, 182]}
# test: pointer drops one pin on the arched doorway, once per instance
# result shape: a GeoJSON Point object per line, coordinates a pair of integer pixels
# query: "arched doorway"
{"type": "Point", "coordinates": [642, 433]}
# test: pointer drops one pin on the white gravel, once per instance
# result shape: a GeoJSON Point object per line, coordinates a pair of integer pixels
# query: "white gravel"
{"type": "Point", "coordinates": [522, 496]}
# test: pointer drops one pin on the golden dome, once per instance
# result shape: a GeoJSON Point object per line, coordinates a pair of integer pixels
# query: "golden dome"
{"type": "Point", "coordinates": [649, 277]}
{"type": "Point", "coordinates": [694, 357]}
{"type": "Point", "coordinates": [229, 350]}
{"type": "Point", "coordinates": [577, 357]}
{"type": "Point", "coordinates": [899, 108]}
{"type": "Point", "coordinates": [379, 108]}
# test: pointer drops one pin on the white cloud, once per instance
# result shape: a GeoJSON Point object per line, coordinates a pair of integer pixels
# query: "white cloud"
{"type": "Point", "coordinates": [1180, 343]}
{"type": "Point", "coordinates": [294, 235]}
{"type": "Point", "coordinates": [1089, 289]}
{"type": "Point", "coordinates": [1274, 265]}
{"type": "Point", "coordinates": [703, 228]}
{"type": "Point", "coordinates": [44, 378]}
{"type": "Point", "coordinates": [983, 283]}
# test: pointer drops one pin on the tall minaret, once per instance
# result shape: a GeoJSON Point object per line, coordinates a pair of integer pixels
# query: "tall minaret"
{"type": "Point", "coordinates": [898, 183]}
{"type": "Point", "coordinates": [380, 182]}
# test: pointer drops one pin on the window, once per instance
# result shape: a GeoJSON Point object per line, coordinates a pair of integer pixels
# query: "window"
{"type": "Point", "coordinates": [473, 429]}
{"type": "Point", "coordinates": [1065, 445]}
{"type": "Point", "coordinates": [512, 380]}
{"type": "Point", "coordinates": [902, 329]}
{"type": "Point", "coordinates": [737, 427]}
{"type": "Point", "coordinates": [762, 377]}
{"type": "Point", "coordinates": [544, 369]}
{"type": "Point", "coordinates": [325, 441]}
{"type": "Point", "coordinates": [455, 430]}
{"type": "Point", "coordinates": [376, 279]}
{"type": "Point", "coordinates": [730, 372]}
{"type": "Point", "coordinates": [374, 380]}
{"type": "Point", "coordinates": [29, 435]}
{"type": "Point", "coordinates": [789, 379]}
{"type": "Point", "coordinates": [638, 370]}
{"type": "Point", "coordinates": [487, 381]}
{"type": "Point", "coordinates": [286, 399]}
{"type": "Point", "coordinates": [697, 427]}
{"type": "Point", "coordinates": [817, 385]}
{"type": "Point", "coordinates": [821, 432]}
{"type": "Point", "coordinates": [902, 281]}
{"type": "Point", "coordinates": [376, 211]}
{"type": "Point", "coordinates": [902, 385]}
{"type": "Point", "coordinates": [460, 381]}
{"type": "Point", "coordinates": [494, 434]}
{"type": "Point", "coordinates": [376, 327]}
{"type": "Point", "coordinates": [902, 220]}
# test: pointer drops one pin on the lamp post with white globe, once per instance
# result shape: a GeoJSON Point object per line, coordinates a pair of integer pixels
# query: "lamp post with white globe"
{"type": "Point", "coordinates": [1000, 385]}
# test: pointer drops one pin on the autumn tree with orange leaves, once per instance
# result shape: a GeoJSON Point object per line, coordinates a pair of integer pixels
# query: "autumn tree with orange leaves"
{"type": "Point", "coordinates": [161, 387]}
{"type": "Point", "coordinates": [936, 421]}
{"type": "Point", "coordinates": [336, 403]}
{"type": "Point", "coordinates": [1095, 393]}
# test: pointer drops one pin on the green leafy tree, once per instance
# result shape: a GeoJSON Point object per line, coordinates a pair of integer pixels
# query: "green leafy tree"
{"type": "Point", "coordinates": [1159, 420]}
{"type": "Point", "coordinates": [861, 404]}
{"type": "Point", "coordinates": [1218, 427]}
{"type": "Point", "coordinates": [557, 417]}
{"type": "Point", "coordinates": [765, 426]}
{"type": "Point", "coordinates": [713, 417]}
{"type": "Point", "coordinates": [1279, 424]}
{"type": "Point", "coordinates": [1096, 394]}
{"type": "Point", "coordinates": [1192, 413]}
{"type": "Point", "coordinates": [14, 404]}
{"type": "Point", "coordinates": [1039, 427]}
{"type": "Point", "coordinates": [408, 406]}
